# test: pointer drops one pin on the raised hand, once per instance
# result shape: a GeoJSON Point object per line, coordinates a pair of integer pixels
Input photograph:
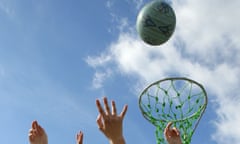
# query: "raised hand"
{"type": "Point", "coordinates": [172, 134]}
{"type": "Point", "coordinates": [79, 138]}
{"type": "Point", "coordinates": [110, 123]}
{"type": "Point", "coordinates": [37, 135]}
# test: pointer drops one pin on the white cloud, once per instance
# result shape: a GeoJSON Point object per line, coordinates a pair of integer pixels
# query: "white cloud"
{"type": "Point", "coordinates": [205, 27]}
{"type": "Point", "coordinates": [204, 47]}
{"type": "Point", "coordinates": [98, 61]}
{"type": "Point", "coordinates": [100, 77]}
{"type": "Point", "coordinates": [227, 126]}
{"type": "Point", "coordinates": [137, 3]}
{"type": "Point", "coordinates": [6, 9]}
{"type": "Point", "coordinates": [109, 4]}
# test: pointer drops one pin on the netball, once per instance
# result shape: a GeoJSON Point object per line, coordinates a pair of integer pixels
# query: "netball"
{"type": "Point", "coordinates": [156, 22]}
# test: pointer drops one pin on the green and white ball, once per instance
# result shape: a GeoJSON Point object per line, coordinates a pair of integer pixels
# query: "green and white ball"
{"type": "Point", "coordinates": [156, 22]}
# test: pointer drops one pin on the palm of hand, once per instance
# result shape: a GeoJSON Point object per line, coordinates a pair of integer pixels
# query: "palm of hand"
{"type": "Point", "coordinates": [111, 126]}
{"type": "Point", "coordinates": [109, 122]}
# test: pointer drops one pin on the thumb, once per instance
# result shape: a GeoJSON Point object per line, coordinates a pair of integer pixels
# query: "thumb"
{"type": "Point", "coordinates": [100, 123]}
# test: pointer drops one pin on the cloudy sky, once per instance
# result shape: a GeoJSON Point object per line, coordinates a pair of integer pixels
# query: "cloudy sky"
{"type": "Point", "coordinates": [57, 57]}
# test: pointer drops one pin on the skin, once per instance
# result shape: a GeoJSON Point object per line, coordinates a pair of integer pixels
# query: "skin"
{"type": "Point", "coordinates": [37, 134]}
{"type": "Point", "coordinates": [109, 122]}
{"type": "Point", "coordinates": [79, 138]}
{"type": "Point", "coordinates": [172, 135]}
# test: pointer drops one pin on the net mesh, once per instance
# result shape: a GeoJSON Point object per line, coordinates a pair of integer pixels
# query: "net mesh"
{"type": "Point", "coordinates": [178, 100]}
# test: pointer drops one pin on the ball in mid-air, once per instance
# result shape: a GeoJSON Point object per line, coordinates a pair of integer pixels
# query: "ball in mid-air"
{"type": "Point", "coordinates": [156, 22]}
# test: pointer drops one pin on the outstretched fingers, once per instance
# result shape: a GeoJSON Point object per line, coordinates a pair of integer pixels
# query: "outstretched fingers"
{"type": "Point", "coordinates": [40, 130]}
{"type": "Point", "coordinates": [175, 131]}
{"type": "Point", "coordinates": [171, 131]}
{"type": "Point", "coordinates": [108, 121]}
{"type": "Point", "coordinates": [31, 134]}
{"type": "Point", "coordinates": [168, 127]}
{"type": "Point", "coordinates": [34, 124]}
{"type": "Point", "coordinates": [100, 109]}
{"type": "Point", "coordinates": [124, 111]}
{"type": "Point", "coordinates": [107, 109]}
{"type": "Point", "coordinates": [33, 131]}
{"type": "Point", "coordinates": [80, 137]}
{"type": "Point", "coordinates": [37, 134]}
{"type": "Point", "coordinates": [114, 109]}
{"type": "Point", "coordinates": [100, 122]}
{"type": "Point", "coordinates": [172, 135]}
{"type": "Point", "coordinates": [167, 130]}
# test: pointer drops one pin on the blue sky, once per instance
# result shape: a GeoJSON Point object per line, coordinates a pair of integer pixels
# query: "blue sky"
{"type": "Point", "coordinates": [57, 57]}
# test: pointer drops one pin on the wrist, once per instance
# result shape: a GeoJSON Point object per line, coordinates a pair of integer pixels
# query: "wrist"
{"type": "Point", "coordinates": [119, 140]}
